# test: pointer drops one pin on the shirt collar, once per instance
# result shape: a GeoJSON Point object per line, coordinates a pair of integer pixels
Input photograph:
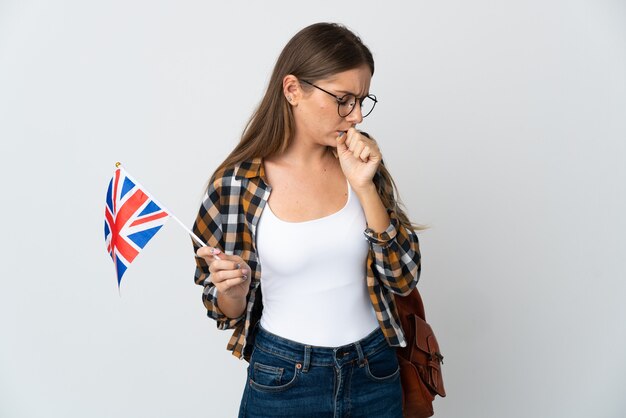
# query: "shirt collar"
{"type": "Point", "coordinates": [250, 168]}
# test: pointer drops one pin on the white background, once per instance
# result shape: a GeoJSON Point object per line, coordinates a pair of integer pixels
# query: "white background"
{"type": "Point", "coordinates": [503, 123]}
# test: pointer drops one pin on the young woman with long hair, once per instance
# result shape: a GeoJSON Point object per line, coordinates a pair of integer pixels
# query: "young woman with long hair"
{"type": "Point", "coordinates": [307, 244]}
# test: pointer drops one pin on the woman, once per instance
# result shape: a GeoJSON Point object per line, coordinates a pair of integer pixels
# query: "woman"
{"type": "Point", "coordinates": [305, 196]}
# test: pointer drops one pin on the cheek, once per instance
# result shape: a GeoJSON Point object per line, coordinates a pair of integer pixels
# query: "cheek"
{"type": "Point", "coordinates": [324, 113]}
{"type": "Point", "coordinates": [324, 107]}
{"type": "Point", "coordinates": [320, 116]}
{"type": "Point", "coordinates": [328, 114]}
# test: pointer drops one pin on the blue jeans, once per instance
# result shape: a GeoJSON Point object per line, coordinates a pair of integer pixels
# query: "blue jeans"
{"type": "Point", "coordinates": [289, 379]}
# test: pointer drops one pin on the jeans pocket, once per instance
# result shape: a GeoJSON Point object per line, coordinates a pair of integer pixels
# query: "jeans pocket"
{"type": "Point", "coordinates": [272, 373]}
{"type": "Point", "coordinates": [383, 365]}
{"type": "Point", "coordinates": [267, 375]}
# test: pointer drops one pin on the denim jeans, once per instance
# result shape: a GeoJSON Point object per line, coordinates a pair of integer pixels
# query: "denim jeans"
{"type": "Point", "coordinates": [289, 379]}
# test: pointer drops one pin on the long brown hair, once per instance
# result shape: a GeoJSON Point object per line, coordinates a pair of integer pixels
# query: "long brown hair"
{"type": "Point", "coordinates": [316, 52]}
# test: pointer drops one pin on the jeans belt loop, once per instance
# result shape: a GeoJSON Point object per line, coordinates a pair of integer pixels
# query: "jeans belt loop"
{"type": "Point", "coordinates": [359, 351]}
{"type": "Point", "coordinates": [307, 358]}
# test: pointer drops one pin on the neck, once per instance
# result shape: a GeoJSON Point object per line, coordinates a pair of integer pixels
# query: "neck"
{"type": "Point", "coordinates": [305, 154]}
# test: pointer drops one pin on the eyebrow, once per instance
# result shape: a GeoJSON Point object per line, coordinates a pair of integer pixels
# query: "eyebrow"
{"type": "Point", "coordinates": [344, 92]}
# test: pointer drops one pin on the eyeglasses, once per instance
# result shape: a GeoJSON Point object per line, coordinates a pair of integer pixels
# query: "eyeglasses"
{"type": "Point", "coordinates": [347, 103]}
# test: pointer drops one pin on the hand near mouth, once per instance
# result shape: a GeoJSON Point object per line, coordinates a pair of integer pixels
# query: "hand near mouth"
{"type": "Point", "coordinates": [359, 157]}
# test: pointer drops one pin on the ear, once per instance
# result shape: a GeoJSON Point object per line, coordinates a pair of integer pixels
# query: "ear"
{"type": "Point", "coordinates": [292, 89]}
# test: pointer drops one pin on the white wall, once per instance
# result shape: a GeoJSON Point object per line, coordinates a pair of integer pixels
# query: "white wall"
{"type": "Point", "coordinates": [504, 124]}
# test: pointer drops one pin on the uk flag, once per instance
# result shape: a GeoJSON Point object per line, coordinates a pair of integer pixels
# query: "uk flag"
{"type": "Point", "coordinates": [131, 219]}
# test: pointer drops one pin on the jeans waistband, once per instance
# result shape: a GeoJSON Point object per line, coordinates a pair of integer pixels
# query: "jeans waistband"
{"type": "Point", "coordinates": [320, 356]}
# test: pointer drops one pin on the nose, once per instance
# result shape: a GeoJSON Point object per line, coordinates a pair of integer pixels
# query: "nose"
{"type": "Point", "coordinates": [355, 117]}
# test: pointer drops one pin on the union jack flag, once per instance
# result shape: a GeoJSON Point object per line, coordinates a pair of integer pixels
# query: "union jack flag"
{"type": "Point", "coordinates": [131, 219]}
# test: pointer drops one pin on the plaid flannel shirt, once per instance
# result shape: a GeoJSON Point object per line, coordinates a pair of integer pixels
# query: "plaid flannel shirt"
{"type": "Point", "coordinates": [227, 220]}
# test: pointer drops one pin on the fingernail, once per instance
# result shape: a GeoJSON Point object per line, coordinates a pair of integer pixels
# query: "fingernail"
{"type": "Point", "coordinates": [244, 277]}
{"type": "Point", "coordinates": [238, 265]}
{"type": "Point", "coordinates": [244, 271]}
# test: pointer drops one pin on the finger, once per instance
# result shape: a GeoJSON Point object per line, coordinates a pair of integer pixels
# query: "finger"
{"type": "Point", "coordinates": [207, 251]}
{"type": "Point", "coordinates": [227, 257]}
{"type": "Point", "coordinates": [374, 153]}
{"type": "Point", "coordinates": [226, 265]}
{"type": "Point", "coordinates": [225, 275]}
{"type": "Point", "coordinates": [358, 148]}
{"type": "Point", "coordinates": [352, 141]}
{"type": "Point", "coordinates": [355, 139]}
{"type": "Point", "coordinates": [349, 140]}
{"type": "Point", "coordinates": [225, 286]}
{"type": "Point", "coordinates": [341, 142]}
{"type": "Point", "coordinates": [364, 155]}
{"type": "Point", "coordinates": [208, 254]}
{"type": "Point", "coordinates": [352, 135]}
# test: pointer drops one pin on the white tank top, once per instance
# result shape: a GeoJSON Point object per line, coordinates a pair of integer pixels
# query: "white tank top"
{"type": "Point", "coordinates": [313, 278]}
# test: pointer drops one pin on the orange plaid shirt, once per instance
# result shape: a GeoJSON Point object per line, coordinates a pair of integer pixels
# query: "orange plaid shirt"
{"type": "Point", "coordinates": [227, 220]}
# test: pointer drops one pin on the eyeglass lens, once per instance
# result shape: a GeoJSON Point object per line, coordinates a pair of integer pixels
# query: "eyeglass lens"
{"type": "Point", "coordinates": [348, 103]}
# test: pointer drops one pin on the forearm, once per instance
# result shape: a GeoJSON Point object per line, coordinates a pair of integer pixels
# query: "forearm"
{"type": "Point", "coordinates": [373, 208]}
{"type": "Point", "coordinates": [395, 256]}
{"type": "Point", "coordinates": [231, 307]}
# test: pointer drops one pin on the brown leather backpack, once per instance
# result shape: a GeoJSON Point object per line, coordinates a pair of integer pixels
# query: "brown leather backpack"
{"type": "Point", "coordinates": [420, 361]}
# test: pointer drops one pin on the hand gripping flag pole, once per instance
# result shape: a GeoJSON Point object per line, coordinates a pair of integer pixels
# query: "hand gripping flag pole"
{"type": "Point", "coordinates": [132, 217]}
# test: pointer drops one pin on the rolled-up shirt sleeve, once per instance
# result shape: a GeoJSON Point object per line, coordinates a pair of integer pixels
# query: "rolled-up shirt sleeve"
{"type": "Point", "coordinates": [396, 256]}
{"type": "Point", "coordinates": [208, 227]}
